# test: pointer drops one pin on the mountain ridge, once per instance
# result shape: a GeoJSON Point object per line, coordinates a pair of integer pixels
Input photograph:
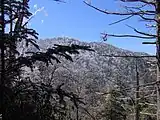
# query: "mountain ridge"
{"type": "Point", "coordinates": [92, 73]}
{"type": "Point", "coordinates": [75, 41]}
{"type": "Point", "coordinates": [100, 64]}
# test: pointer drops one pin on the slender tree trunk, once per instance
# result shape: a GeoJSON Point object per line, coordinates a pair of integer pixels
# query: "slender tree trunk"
{"type": "Point", "coordinates": [158, 96]}
{"type": "Point", "coordinates": [137, 114]}
{"type": "Point", "coordinates": [2, 71]}
{"type": "Point", "coordinates": [77, 115]}
{"type": "Point", "coordinates": [158, 56]}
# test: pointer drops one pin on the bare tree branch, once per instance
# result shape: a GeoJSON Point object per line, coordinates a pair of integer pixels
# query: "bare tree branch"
{"type": "Point", "coordinates": [142, 33]}
{"type": "Point", "coordinates": [115, 13]}
{"type": "Point", "coordinates": [140, 10]}
{"type": "Point", "coordinates": [148, 19]}
{"type": "Point", "coordinates": [121, 20]}
{"type": "Point", "coordinates": [126, 35]}
{"type": "Point", "coordinates": [143, 1]}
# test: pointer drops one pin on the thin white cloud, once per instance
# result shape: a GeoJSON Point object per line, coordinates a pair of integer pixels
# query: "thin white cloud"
{"type": "Point", "coordinates": [42, 21]}
{"type": "Point", "coordinates": [34, 13]}
{"type": "Point", "coordinates": [35, 6]}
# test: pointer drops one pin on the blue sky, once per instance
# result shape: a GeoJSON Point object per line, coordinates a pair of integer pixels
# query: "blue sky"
{"type": "Point", "coordinates": [77, 20]}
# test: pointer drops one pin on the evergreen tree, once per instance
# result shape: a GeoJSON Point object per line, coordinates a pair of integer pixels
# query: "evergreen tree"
{"type": "Point", "coordinates": [21, 98]}
{"type": "Point", "coordinates": [114, 108]}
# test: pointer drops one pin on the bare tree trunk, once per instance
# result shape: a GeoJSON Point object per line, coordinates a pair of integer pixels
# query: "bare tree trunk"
{"type": "Point", "coordinates": [158, 95]}
{"type": "Point", "coordinates": [77, 115]}
{"type": "Point", "coordinates": [137, 114]}
{"type": "Point", "coordinates": [158, 56]}
{"type": "Point", "coordinates": [2, 71]}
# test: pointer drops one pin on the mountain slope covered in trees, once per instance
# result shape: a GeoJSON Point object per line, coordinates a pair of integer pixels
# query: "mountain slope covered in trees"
{"type": "Point", "coordinates": [104, 69]}
{"type": "Point", "coordinates": [92, 75]}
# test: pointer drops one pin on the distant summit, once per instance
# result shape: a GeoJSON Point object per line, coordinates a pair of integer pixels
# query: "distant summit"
{"type": "Point", "coordinates": [92, 73]}
{"type": "Point", "coordinates": [104, 69]}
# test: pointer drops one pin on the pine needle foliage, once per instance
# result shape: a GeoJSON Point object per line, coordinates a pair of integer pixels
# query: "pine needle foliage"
{"type": "Point", "coordinates": [114, 109]}
{"type": "Point", "coordinates": [21, 98]}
